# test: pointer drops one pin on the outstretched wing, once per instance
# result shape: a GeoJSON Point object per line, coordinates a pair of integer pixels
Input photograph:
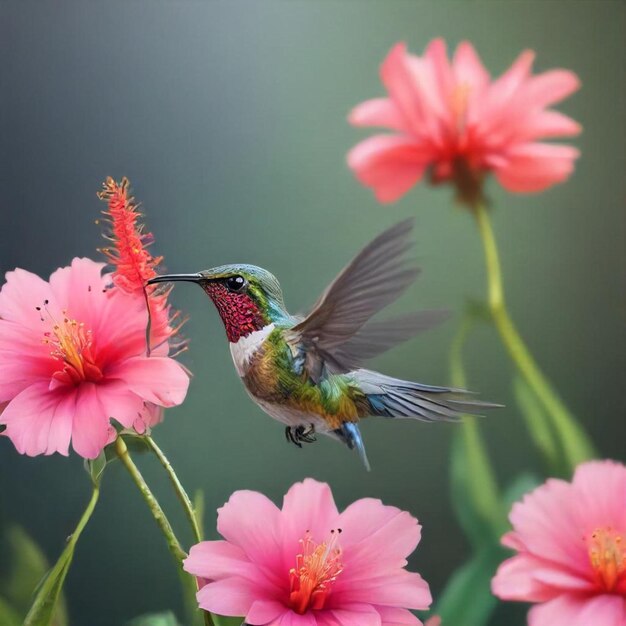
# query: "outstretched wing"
{"type": "Point", "coordinates": [335, 336]}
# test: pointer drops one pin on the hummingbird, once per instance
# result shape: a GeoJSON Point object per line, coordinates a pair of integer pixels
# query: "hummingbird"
{"type": "Point", "coordinates": [308, 372]}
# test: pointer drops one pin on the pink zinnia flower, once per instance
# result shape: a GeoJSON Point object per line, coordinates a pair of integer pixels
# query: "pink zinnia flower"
{"type": "Point", "coordinates": [571, 545]}
{"type": "Point", "coordinates": [451, 119]}
{"type": "Point", "coordinates": [308, 564]}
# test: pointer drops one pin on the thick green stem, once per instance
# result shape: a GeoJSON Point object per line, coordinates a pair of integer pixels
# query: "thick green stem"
{"type": "Point", "coordinates": [155, 508]}
{"type": "Point", "coordinates": [181, 494]}
{"type": "Point", "coordinates": [575, 444]}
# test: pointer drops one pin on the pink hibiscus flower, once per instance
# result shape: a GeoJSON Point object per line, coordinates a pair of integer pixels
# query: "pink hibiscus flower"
{"type": "Point", "coordinates": [308, 564]}
{"type": "Point", "coordinates": [571, 544]}
{"type": "Point", "coordinates": [73, 355]}
{"type": "Point", "coordinates": [450, 119]}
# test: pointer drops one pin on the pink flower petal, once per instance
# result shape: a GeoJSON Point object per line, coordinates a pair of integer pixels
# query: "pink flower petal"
{"type": "Point", "coordinates": [550, 87]}
{"type": "Point", "coordinates": [293, 619]}
{"type": "Point", "coordinates": [20, 296]}
{"type": "Point", "coordinates": [80, 288]}
{"type": "Point", "coordinates": [357, 615]}
{"type": "Point", "coordinates": [265, 612]}
{"type": "Point", "coordinates": [502, 90]}
{"type": "Point", "coordinates": [436, 57]}
{"type": "Point", "coordinates": [24, 359]}
{"type": "Point", "coordinates": [390, 164]}
{"type": "Point", "coordinates": [399, 81]}
{"type": "Point", "coordinates": [375, 537]}
{"type": "Point", "coordinates": [38, 421]}
{"type": "Point", "coordinates": [535, 166]}
{"type": "Point", "coordinates": [513, 540]}
{"type": "Point", "coordinates": [571, 610]}
{"type": "Point", "coordinates": [381, 112]}
{"type": "Point", "coordinates": [468, 68]}
{"type": "Point", "coordinates": [601, 489]}
{"type": "Point", "coordinates": [307, 506]}
{"type": "Point", "coordinates": [156, 379]}
{"type": "Point", "coordinates": [547, 124]}
{"type": "Point", "coordinates": [253, 522]}
{"type": "Point", "coordinates": [119, 402]}
{"type": "Point", "coordinates": [91, 427]}
{"type": "Point", "coordinates": [213, 560]}
{"type": "Point", "coordinates": [392, 616]}
{"type": "Point", "coordinates": [403, 589]}
{"type": "Point", "coordinates": [229, 597]}
{"type": "Point", "coordinates": [515, 580]}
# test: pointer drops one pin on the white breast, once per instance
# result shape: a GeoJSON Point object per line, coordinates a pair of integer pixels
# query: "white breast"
{"type": "Point", "coordinates": [244, 349]}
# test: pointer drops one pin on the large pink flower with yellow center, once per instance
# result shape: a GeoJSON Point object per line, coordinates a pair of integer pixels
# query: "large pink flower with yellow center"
{"type": "Point", "coordinates": [451, 119]}
{"type": "Point", "coordinates": [571, 545]}
{"type": "Point", "coordinates": [73, 355]}
{"type": "Point", "coordinates": [309, 565]}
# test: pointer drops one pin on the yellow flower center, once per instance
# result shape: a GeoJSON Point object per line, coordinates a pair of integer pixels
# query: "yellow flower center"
{"type": "Point", "coordinates": [607, 555]}
{"type": "Point", "coordinates": [70, 343]}
{"type": "Point", "coordinates": [317, 568]}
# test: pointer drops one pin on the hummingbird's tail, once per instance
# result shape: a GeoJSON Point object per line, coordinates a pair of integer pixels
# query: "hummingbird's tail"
{"type": "Point", "coordinates": [393, 397]}
{"type": "Point", "coordinates": [350, 434]}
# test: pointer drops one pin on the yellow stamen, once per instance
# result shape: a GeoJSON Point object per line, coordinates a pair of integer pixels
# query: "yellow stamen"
{"type": "Point", "coordinates": [70, 342]}
{"type": "Point", "coordinates": [317, 568]}
{"type": "Point", "coordinates": [607, 554]}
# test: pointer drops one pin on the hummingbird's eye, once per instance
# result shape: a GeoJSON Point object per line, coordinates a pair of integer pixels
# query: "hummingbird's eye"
{"type": "Point", "coordinates": [235, 283]}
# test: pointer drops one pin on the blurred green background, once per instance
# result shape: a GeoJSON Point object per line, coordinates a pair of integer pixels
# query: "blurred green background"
{"type": "Point", "coordinates": [229, 118]}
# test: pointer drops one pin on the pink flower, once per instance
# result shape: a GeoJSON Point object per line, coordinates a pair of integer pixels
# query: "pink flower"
{"type": "Point", "coordinates": [308, 564]}
{"type": "Point", "coordinates": [72, 356]}
{"type": "Point", "coordinates": [451, 119]}
{"type": "Point", "coordinates": [571, 545]}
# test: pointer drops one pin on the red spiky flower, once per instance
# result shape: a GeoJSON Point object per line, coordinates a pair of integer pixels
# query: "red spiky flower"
{"type": "Point", "coordinates": [132, 261]}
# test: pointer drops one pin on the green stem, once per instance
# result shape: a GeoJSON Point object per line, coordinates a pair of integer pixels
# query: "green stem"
{"type": "Point", "coordinates": [187, 507]}
{"type": "Point", "coordinates": [475, 470]}
{"type": "Point", "coordinates": [155, 508]}
{"type": "Point", "coordinates": [178, 488]}
{"type": "Point", "coordinates": [576, 446]}
{"type": "Point", "coordinates": [47, 596]}
{"type": "Point", "coordinates": [190, 583]}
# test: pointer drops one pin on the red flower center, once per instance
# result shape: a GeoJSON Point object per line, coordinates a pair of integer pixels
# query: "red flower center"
{"type": "Point", "coordinates": [317, 568]}
{"type": "Point", "coordinates": [71, 344]}
{"type": "Point", "coordinates": [607, 554]}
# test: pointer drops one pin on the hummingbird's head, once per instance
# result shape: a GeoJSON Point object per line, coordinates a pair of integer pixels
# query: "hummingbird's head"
{"type": "Point", "coordinates": [247, 297]}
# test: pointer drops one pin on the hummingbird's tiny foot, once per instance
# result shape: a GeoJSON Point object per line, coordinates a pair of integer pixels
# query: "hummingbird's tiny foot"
{"type": "Point", "coordinates": [292, 436]}
{"type": "Point", "coordinates": [300, 434]}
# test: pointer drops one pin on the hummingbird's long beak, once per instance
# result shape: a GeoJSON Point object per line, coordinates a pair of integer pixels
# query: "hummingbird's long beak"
{"type": "Point", "coordinates": [170, 278]}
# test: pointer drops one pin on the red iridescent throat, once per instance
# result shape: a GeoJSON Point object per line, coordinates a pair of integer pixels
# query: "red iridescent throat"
{"type": "Point", "coordinates": [240, 314]}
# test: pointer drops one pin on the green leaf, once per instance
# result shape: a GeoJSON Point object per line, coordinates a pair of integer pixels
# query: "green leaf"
{"type": "Point", "coordinates": [220, 620]}
{"type": "Point", "coordinates": [9, 616]}
{"type": "Point", "coordinates": [48, 594]}
{"type": "Point", "coordinates": [155, 619]}
{"type": "Point", "coordinates": [538, 424]}
{"type": "Point", "coordinates": [26, 566]}
{"type": "Point", "coordinates": [198, 507]}
{"type": "Point", "coordinates": [467, 599]}
{"type": "Point", "coordinates": [475, 496]}
{"type": "Point", "coordinates": [95, 467]}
